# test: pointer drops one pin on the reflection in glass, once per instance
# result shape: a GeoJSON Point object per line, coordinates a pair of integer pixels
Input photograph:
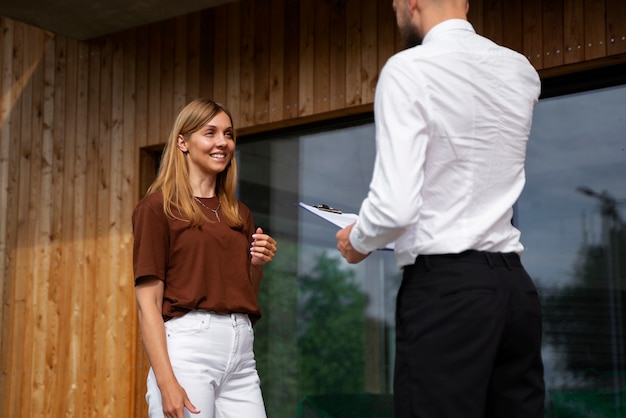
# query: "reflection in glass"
{"type": "Point", "coordinates": [325, 342]}
{"type": "Point", "coordinates": [571, 216]}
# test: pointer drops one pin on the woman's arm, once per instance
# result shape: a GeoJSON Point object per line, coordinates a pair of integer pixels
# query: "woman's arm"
{"type": "Point", "coordinates": [149, 295]}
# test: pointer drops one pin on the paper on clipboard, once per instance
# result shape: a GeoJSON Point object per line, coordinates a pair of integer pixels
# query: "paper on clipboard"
{"type": "Point", "coordinates": [338, 219]}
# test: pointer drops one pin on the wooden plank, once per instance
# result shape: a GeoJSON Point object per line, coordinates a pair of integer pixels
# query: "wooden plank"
{"type": "Point", "coordinates": [102, 266]}
{"type": "Point", "coordinates": [142, 88]}
{"type": "Point", "coordinates": [533, 35]}
{"type": "Point", "coordinates": [512, 31]}
{"type": "Point", "coordinates": [595, 29]}
{"type": "Point", "coordinates": [9, 137]}
{"type": "Point", "coordinates": [337, 56]}
{"type": "Point", "coordinates": [166, 110]}
{"type": "Point", "coordinates": [76, 133]}
{"type": "Point", "coordinates": [369, 56]}
{"type": "Point", "coordinates": [292, 60]}
{"type": "Point", "coordinates": [194, 50]}
{"type": "Point", "coordinates": [573, 31]}
{"type": "Point", "coordinates": [386, 32]}
{"type": "Point", "coordinates": [66, 135]}
{"type": "Point", "coordinates": [553, 30]}
{"type": "Point", "coordinates": [124, 289]}
{"type": "Point", "coordinates": [181, 56]}
{"type": "Point", "coordinates": [307, 58]}
{"type": "Point", "coordinates": [89, 322]}
{"type": "Point", "coordinates": [616, 27]}
{"type": "Point", "coordinates": [219, 67]}
{"type": "Point", "coordinates": [246, 99]}
{"type": "Point", "coordinates": [321, 57]}
{"type": "Point", "coordinates": [207, 55]}
{"type": "Point", "coordinates": [261, 65]}
{"type": "Point", "coordinates": [37, 226]}
{"type": "Point", "coordinates": [476, 16]}
{"type": "Point", "coordinates": [59, 278]}
{"type": "Point", "coordinates": [233, 59]}
{"type": "Point", "coordinates": [22, 302]}
{"type": "Point", "coordinates": [154, 86]}
{"type": "Point", "coordinates": [8, 223]}
{"type": "Point", "coordinates": [353, 53]}
{"type": "Point", "coordinates": [48, 237]}
{"type": "Point", "coordinates": [220, 64]}
{"type": "Point", "coordinates": [277, 60]}
{"type": "Point", "coordinates": [493, 20]}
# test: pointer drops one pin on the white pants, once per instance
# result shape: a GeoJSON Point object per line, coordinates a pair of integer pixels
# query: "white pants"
{"type": "Point", "coordinates": [213, 360]}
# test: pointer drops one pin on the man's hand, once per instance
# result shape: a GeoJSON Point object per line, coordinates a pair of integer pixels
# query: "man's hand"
{"type": "Point", "coordinates": [344, 246]}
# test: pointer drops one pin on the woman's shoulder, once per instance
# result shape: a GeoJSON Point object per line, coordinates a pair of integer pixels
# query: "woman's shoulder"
{"type": "Point", "coordinates": [152, 202]}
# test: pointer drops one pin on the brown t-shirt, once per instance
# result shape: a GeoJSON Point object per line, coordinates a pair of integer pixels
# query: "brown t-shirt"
{"type": "Point", "coordinates": [206, 267]}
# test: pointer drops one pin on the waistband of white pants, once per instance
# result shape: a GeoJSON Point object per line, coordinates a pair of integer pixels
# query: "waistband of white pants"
{"type": "Point", "coordinates": [227, 318]}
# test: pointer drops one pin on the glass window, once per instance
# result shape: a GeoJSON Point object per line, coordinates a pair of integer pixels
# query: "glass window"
{"type": "Point", "coordinates": [571, 215]}
{"type": "Point", "coordinates": [326, 342]}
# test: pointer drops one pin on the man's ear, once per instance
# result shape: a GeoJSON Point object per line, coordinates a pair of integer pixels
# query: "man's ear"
{"type": "Point", "coordinates": [412, 5]}
{"type": "Point", "coordinates": [182, 145]}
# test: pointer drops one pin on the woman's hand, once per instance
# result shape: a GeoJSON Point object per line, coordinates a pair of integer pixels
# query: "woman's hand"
{"type": "Point", "coordinates": [263, 248]}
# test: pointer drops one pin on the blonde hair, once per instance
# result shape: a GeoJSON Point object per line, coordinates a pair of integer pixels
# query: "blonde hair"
{"type": "Point", "coordinates": [173, 177]}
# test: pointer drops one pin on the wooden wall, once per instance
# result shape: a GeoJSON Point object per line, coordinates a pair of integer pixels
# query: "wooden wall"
{"type": "Point", "coordinates": [74, 115]}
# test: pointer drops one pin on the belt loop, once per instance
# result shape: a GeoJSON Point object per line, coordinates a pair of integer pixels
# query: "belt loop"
{"type": "Point", "coordinates": [426, 263]}
{"type": "Point", "coordinates": [488, 258]}
{"type": "Point", "coordinates": [506, 262]}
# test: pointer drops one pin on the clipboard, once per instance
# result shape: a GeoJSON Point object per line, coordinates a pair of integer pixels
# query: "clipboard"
{"type": "Point", "coordinates": [336, 217]}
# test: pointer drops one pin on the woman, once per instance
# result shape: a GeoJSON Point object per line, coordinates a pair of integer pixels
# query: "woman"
{"type": "Point", "coordinates": [198, 265]}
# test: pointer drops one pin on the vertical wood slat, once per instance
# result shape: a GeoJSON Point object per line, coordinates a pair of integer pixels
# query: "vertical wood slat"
{"type": "Point", "coordinates": [261, 66]}
{"type": "Point", "coordinates": [292, 60]}
{"type": "Point", "coordinates": [307, 59]}
{"type": "Point", "coordinates": [353, 53]}
{"type": "Point", "coordinates": [128, 159]}
{"type": "Point", "coordinates": [493, 19]}
{"type": "Point", "coordinates": [23, 324]}
{"type": "Point", "coordinates": [79, 316]}
{"type": "Point", "coordinates": [154, 86]}
{"type": "Point", "coordinates": [277, 61]}
{"type": "Point", "coordinates": [320, 57]}
{"type": "Point", "coordinates": [74, 114]}
{"type": "Point", "coordinates": [8, 224]}
{"type": "Point", "coordinates": [166, 108]}
{"type": "Point", "coordinates": [191, 65]}
{"type": "Point", "coordinates": [573, 31]}
{"type": "Point", "coordinates": [234, 62]}
{"type": "Point", "coordinates": [595, 30]}
{"type": "Point", "coordinates": [512, 28]}
{"type": "Point", "coordinates": [219, 51]}
{"type": "Point", "coordinates": [369, 53]}
{"type": "Point", "coordinates": [533, 34]}
{"type": "Point", "coordinates": [246, 102]}
{"type": "Point", "coordinates": [337, 55]}
{"type": "Point", "coordinates": [552, 33]}
{"type": "Point", "coordinates": [65, 135]}
{"type": "Point", "coordinates": [386, 32]}
{"type": "Point", "coordinates": [616, 27]}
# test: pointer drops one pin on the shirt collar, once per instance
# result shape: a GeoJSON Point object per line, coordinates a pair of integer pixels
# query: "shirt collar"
{"type": "Point", "coordinates": [446, 26]}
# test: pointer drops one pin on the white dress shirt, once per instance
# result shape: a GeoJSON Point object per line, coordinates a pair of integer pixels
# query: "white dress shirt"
{"type": "Point", "coordinates": [452, 122]}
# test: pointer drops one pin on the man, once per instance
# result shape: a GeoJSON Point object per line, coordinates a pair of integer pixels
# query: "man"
{"type": "Point", "coordinates": [453, 115]}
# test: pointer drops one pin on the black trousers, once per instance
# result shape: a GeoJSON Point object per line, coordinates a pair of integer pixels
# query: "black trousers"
{"type": "Point", "coordinates": [468, 339]}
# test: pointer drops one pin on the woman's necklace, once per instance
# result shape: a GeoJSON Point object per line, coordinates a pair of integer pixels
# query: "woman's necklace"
{"type": "Point", "coordinates": [212, 210]}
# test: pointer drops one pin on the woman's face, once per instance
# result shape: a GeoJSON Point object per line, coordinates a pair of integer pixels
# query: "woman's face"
{"type": "Point", "coordinates": [210, 148]}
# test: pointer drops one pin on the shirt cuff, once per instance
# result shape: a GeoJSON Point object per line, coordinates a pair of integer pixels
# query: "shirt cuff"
{"type": "Point", "coordinates": [357, 238]}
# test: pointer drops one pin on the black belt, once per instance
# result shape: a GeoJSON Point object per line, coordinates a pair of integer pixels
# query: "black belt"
{"type": "Point", "coordinates": [508, 260]}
